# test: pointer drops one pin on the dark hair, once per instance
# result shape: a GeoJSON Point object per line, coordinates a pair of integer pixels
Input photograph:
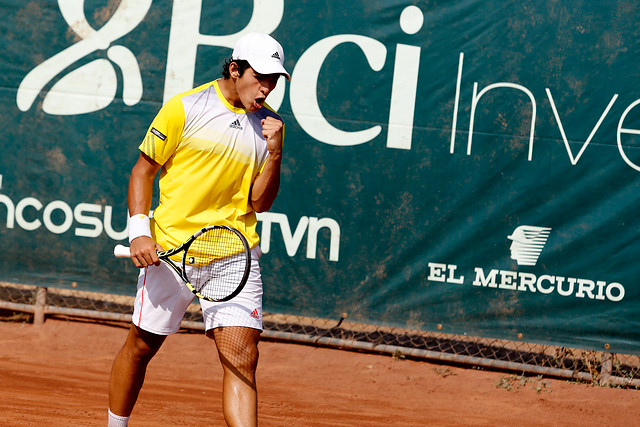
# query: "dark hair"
{"type": "Point", "coordinates": [242, 66]}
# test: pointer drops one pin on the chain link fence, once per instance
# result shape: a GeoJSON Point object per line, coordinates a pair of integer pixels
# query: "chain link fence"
{"type": "Point", "coordinates": [598, 368]}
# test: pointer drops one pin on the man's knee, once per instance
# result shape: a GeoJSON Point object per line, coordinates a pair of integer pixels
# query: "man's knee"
{"type": "Point", "coordinates": [237, 348]}
{"type": "Point", "coordinates": [142, 345]}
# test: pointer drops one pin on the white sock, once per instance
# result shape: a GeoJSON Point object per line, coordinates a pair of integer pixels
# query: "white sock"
{"type": "Point", "coordinates": [117, 420]}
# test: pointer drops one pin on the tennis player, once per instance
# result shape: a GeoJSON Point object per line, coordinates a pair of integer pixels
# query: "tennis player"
{"type": "Point", "coordinates": [218, 149]}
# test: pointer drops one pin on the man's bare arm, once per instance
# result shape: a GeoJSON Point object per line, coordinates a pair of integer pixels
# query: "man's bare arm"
{"type": "Point", "coordinates": [266, 186]}
{"type": "Point", "coordinates": [143, 248]}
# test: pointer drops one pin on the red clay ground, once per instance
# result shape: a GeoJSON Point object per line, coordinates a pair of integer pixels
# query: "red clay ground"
{"type": "Point", "coordinates": [57, 374]}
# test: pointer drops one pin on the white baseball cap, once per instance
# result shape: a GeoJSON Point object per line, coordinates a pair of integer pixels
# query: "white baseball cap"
{"type": "Point", "coordinates": [263, 52]}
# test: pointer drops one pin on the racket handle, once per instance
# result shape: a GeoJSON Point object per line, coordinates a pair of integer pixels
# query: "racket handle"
{"type": "Point", "coordinates": [121, 251]}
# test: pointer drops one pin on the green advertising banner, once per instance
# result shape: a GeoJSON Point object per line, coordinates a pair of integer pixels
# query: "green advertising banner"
{"type": "Point", "coordinates": [465, 166]}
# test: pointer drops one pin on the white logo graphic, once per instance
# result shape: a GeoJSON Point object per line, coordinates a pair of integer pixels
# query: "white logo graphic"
{"type": "Point", "coordinates": [92, 86]}
{"type": "Point", "coordinates": [528, 242]}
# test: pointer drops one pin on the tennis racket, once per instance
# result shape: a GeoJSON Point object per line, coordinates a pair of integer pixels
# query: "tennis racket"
{"type": "Point", "coordinates": [215, 262]}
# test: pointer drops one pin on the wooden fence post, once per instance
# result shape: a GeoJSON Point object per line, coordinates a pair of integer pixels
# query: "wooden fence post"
{"type": "Point", "coordinates": [41, 306]}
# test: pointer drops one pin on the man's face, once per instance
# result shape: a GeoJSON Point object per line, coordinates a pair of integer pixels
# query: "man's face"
{"type": "Point", "coordinates": [253, 88]}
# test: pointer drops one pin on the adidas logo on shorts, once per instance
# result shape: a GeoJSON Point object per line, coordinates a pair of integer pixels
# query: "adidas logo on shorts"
{"type": "Point", "coordinates": [236, 125]}
{"type": "Point", "coordinates": [255, 314]}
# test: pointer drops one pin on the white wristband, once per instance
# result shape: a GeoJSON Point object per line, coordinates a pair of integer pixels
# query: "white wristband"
{"type": "Point", "coordinates": [139, 226]}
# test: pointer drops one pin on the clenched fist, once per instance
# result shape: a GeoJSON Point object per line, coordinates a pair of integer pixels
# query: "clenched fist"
{"type": "Point", "coordinates": [272, 131]}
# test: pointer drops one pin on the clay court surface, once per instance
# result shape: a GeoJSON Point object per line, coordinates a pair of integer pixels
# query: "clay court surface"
{"type": "Point", "coordinates": [56, 375]}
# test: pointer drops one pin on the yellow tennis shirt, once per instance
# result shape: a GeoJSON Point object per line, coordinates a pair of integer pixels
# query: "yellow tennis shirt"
{"type": "Point", "coordinates": [211, 152]}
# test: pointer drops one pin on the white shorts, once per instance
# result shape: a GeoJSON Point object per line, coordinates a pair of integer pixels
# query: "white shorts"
{"type": "Point", "coordinates": [163, 298]}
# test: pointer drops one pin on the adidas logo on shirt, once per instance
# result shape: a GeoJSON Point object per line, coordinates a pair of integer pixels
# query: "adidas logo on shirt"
{"type": "Point", "coordinates": [275, 55]}
{"type": "Point", "coordinates": [236, 125]}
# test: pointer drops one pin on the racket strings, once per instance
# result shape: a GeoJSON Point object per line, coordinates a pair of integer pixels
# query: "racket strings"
{"type": "Point", "coordinates": [215, 263]}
